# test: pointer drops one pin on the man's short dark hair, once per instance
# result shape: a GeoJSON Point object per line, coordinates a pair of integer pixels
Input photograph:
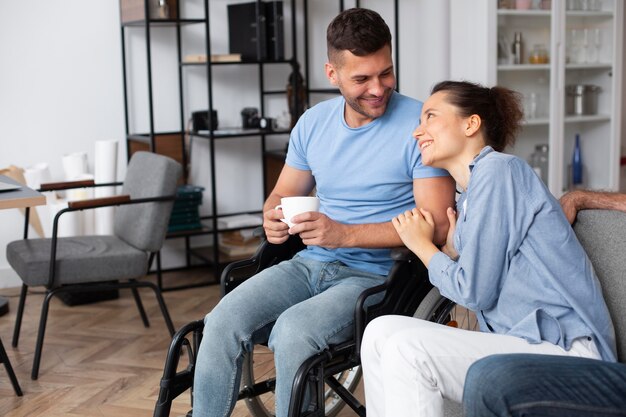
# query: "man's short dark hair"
{"type": "Point", "coordinates": [360, 31]}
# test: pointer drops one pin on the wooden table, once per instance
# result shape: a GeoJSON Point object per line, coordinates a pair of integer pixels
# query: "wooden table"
{"type": "Point", "coordinates": [20, 198]}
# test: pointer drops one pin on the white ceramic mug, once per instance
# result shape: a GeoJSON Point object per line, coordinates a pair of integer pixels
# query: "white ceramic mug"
{"type": "Point", "coordinates": [292, 206]}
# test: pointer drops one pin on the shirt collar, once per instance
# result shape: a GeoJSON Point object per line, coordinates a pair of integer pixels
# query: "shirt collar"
{"type": "Point", "coordinates": [486, 150]}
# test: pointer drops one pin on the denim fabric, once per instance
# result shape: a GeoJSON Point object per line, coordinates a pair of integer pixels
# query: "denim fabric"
{"type": "Point", "coordinates": [544, 386]}
{"type": "Point", "coordinates": [520, 266]}
{"type": "Point", "coordinates": [299, 306]}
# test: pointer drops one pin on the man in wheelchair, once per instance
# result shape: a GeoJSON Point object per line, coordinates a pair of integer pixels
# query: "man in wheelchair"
{"type": "Point", "coordinates": [356, 150]}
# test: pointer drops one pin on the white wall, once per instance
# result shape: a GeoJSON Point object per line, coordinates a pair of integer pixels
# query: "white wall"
{"type": "Point", "coordinates": [61, 87]}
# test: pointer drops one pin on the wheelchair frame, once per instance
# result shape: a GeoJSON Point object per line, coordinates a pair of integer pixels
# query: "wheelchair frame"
{"type": "Point", "coordinates": [402, 297]}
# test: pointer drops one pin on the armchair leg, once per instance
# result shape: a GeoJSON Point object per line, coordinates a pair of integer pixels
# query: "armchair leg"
{"type": "Point", "coordinates": [40, 334]}
{"type": "Point", "coordinates": [142, 311]}
{"type": "Point", "coordinates": [20, 314]}
{"type": "Point", "coordinates": [163, 307]}
{"type": "Point", "coordinates": [4, 358]}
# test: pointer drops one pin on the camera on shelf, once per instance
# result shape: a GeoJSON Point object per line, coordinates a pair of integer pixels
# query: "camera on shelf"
{"type": "Point", "coordinates": [250, 119]}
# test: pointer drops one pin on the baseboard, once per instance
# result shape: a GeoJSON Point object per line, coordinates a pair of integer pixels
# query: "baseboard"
{"type": "Point", "coordinates": [9, 279]}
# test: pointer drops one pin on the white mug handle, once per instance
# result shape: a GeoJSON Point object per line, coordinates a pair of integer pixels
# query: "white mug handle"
{"type": "Point", "coordinates": [278, 207]}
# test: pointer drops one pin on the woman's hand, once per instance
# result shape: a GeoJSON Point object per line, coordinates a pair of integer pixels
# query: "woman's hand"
{"type": "Point", "coordinates": [416, 228]}
{"type": "Point", "coordinates": [449, 248]}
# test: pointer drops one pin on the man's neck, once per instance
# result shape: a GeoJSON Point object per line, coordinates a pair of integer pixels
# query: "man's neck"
{"type": "Point", "coordinates": [355, 119]}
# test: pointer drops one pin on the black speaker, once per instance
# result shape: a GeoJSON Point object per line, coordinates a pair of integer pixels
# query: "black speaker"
{"type": "Point", "coordinates": [200, 120]}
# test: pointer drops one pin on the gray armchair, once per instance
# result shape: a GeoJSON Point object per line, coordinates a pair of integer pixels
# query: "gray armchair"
{"type": "Point", "coordinates": [105, 262]}
{"type": "Point", "coordinates": [603, 236]}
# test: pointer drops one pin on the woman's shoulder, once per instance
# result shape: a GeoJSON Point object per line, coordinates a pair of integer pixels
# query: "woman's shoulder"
{"type": "Point", "coordinates": [501, 160]}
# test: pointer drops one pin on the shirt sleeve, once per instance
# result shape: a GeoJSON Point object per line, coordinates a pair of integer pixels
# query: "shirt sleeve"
{"type": "Point", "coordinates": [490, 230]}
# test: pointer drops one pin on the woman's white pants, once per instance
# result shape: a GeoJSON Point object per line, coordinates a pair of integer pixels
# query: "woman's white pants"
{"type": "Point", "coordinates": [411, 365]}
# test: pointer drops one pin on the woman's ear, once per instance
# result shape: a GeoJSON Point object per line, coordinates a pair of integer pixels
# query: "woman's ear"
{"type": "Point", "coordinates": [473, 125]}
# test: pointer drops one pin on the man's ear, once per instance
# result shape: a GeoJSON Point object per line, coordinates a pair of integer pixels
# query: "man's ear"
{"type": "Point", "coordinates": [472, 125]}
{"type": "Point", "coordinates": [331, 73]}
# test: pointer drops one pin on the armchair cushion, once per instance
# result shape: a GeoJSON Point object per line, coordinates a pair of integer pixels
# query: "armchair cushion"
{"type": "Point", "coordinates": [79, 259]}
{"type": "Point", "coordinates": [603, 235]}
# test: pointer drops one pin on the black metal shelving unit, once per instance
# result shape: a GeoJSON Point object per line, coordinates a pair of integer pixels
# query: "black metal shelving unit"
{"type": "Point", "coordinates": [150, 138]}
{"type": "Point", "coordinates": [214, 258]}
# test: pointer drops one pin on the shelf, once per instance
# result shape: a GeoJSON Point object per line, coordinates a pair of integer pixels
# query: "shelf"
{"type": "Point", "coordinates": [589, 13]}
{"type": "Point", "coordinates": [207, 253]}
{"type": "Point", "coordinates": [324, 90]}
{"type": "Point", "coordinates": [524, 67]}
{"type": "Point", "coordinates": [162, 22]}
{"type": "Point", "coordinates": [588, 118]}
{"type": "Point", "coordinates": [596, 65]}
{"type": "Point", "coordinates": [539, 121]}
{"type": "Point", "coordinates": [548, 13]}
{"type": "Point", "coordinates": [524, 13]}
{"type": "Point", "coordinates": [236, 132]}
{"type": "Point", "coordinates": [192, 64]}
{"type": "Point", "coordinates": [145, 137]}
{"type": "Point", "coordinates": [205, 230]}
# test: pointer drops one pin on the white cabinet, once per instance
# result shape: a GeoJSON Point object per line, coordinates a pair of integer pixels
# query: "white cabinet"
{"type": "Point", "coordinates": [583, 48]}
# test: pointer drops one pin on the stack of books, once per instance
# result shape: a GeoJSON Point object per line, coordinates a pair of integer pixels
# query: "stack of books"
{"type": "Point", "coordinates": [239, 243]}
{"type": "Point", "coordinates": [186, 213]}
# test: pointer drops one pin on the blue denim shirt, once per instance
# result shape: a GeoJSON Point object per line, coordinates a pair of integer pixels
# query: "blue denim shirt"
{"type": "Point", "coordinates": [520, 265]}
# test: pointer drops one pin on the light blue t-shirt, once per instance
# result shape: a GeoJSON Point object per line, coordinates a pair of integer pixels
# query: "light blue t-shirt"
{"type": "Point", "coordinates": [520, 265]}
{"type": "Point", "coordinates": [363, 175]}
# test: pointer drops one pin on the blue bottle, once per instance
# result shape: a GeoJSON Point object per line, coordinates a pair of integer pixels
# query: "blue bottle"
{"type": "Point", "coordinates": [577, 163]}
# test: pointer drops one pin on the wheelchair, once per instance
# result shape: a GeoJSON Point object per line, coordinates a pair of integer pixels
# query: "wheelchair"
{"type": "Point", "coordinates": [330, 377]}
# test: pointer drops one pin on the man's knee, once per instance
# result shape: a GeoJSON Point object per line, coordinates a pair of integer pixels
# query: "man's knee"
{"type": "Point", "coordinates": [488, 385]}
{"type": "Point", "coordinates": [291, 333]}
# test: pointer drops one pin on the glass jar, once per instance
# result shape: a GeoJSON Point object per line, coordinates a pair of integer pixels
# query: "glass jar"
{"type": "Point", "coordinates": [539, 161]}
{"type": "Point", "coordinates": [539, 54]}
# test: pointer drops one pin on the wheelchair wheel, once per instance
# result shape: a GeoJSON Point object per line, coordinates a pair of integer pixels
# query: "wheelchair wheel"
{"type": "Point", "coordinates": [437, 308]}
{"type": "Point", "coordinates": [260, 366]}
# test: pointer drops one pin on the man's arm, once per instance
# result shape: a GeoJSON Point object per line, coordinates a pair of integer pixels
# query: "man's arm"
{"type": "Point", "coordinates": [577, 200]}
{"type": "Point", "coordinates": [433, 194]}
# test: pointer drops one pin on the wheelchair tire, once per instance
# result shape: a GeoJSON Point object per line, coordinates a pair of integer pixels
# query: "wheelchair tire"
{"type": "Point", "coordinates": [438, 309]}
{"type": "Point", "coordinates": [259, 365]}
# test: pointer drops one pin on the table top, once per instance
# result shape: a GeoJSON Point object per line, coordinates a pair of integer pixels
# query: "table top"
{"type": "Point", "coordinates": [21, 197]}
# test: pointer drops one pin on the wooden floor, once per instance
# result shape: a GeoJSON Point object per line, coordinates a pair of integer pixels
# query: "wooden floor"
{"type": "Point", "coordinates": [98, 359]}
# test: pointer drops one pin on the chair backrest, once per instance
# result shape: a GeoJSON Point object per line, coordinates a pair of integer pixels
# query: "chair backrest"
{"type": "Point", "coordinates": [144, 225]}
{"type": "Point", "coordinates": [603, 235]}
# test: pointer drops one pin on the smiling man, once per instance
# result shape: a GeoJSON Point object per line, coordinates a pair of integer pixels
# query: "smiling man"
{"type": "Point", "coordinates": [357, 152]}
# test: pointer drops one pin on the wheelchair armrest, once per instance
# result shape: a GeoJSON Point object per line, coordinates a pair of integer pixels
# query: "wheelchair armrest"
{"type": "Point", "coordinates": [402, 253]}
{"type": "Point", "coordinates": [406, 285]}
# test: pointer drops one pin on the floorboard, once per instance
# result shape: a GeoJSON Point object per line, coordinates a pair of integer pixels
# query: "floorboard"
{"type": "Point", "coordinates": [98, 359]}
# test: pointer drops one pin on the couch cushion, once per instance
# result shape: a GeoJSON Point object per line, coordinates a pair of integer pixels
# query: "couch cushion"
{"type": "Point", "coordinates": [79, 259]}
{"type": "Point", "coordinates": [603, 235]}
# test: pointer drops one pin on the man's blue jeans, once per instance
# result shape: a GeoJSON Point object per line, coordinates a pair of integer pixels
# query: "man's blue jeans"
{"type": "Point", "coordinates": [541, 385]}
{"type": "Point", "coordinates": [299, 306]}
